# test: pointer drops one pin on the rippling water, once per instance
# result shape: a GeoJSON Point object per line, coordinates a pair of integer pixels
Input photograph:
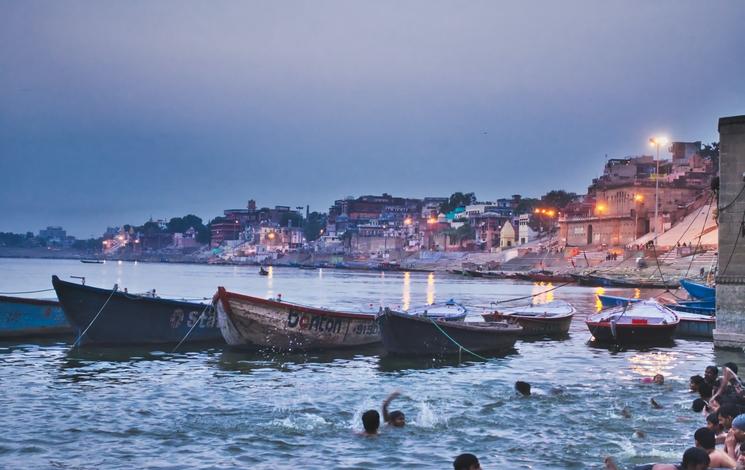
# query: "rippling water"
{"type": "Point", "coordinates": [209, 407]}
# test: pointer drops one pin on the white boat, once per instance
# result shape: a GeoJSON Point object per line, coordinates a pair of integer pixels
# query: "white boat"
{"type": "Point", "coordinates": [450, 311]}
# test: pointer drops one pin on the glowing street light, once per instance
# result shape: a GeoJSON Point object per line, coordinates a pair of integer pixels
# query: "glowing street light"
{"type": "Point", "coordinates": [656, 142]}
{"type": "Point", "coordinates": [407, 221]}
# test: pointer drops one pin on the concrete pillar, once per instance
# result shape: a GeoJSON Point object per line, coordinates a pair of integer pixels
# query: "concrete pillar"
{"type": "Point", "coordinates": [730, 328]}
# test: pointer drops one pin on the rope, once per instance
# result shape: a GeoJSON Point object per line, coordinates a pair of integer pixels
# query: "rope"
{"type": "Point", "coordinates": [26, 292]}
{"type": "Point", "coordinates": [456, 343]}
{"type": "Point", "coordinates": [698, 243]}
{"type": "Point", "coordinates": [727, 206]}
{"type": "Point", "coordinates": [192, 328]}
{"type": "Point", "coordinates": [77, 341]}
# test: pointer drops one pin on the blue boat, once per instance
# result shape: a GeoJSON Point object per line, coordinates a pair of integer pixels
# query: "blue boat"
{"type": "Point", "coordinates": [112, 317]}
{"type": "Point", "coordinates": [698, 291]}
{"type": "Point", "coordinates": [613, 301]}
{"type": "Point", "coordinates": [31, 317]}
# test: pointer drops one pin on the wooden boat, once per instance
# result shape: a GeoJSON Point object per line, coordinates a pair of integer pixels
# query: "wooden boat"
{"type": "Point", "coordinates": [133, 319]}
{"type": "Point", "coordinates": [450, 311]}
{"type": "Point", "coordinates": [92, 261]}
{"type": "Point", "coordinates": [698, 291]}
{"type": "Point", "coordinates": [549, 319]}
{"type": "Point", "coordinates": [694, 325]}
{"type": "Point", "coordinates": [592, 280]}
{"type": "Point", "coordinates": [637, 322]}
{"type": "Point", "coordinates": [31, 317]}
{"type": "Point", "coordinates": [255, 323]}
{"type": "Point", "coordinates": [545, 276]}
{"type": "Point", "coordinates": [613, 301]}
{"type": "Point", "coordinates": [411, 335]}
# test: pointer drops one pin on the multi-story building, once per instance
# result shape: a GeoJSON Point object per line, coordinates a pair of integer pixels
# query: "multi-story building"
{"type": "Point", "coordinates": [620, 205]}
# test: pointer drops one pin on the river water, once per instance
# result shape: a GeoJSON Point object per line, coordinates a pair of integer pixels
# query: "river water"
{"type": "Point", "coordinates": [212, 408]}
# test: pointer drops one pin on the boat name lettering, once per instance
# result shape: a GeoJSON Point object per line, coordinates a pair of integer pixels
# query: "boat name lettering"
{"type": "Point", "coordinates": [314, 322]}
{"type": "Point", "coordinates": [207, 321]}
{"type": "Point", "coordinates": [177, 317]}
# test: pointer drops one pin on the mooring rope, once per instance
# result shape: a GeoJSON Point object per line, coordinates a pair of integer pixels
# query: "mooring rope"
{"type": "Point", "coordinates": [462, 348]}
{"type": "Point", "coordinates": [192, 328]}
{"type": "Point", "coordinates": [26, 292]}
{"type": "Point", "coordinates": [77, 341]}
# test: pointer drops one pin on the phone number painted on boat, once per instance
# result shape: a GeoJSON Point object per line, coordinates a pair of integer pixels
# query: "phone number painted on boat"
{"type": "Point", "coordinates": [208, 320]}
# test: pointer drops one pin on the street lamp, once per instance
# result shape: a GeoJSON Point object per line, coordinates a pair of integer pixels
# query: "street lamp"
{"type": "Point", "coordinates": [656, 142]}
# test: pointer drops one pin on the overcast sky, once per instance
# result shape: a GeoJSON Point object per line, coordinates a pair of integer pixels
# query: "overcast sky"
{"type": "Point", "coordinates": [112, 112]}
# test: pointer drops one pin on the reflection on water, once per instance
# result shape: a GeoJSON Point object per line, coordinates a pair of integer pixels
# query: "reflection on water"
{"type": "Point", "coordinates": [430, 288]}
{"type": "Point", "coordinates": [542, 293]}
{"type": "Point", "coordinates": [406, 297]}
{"type": "Point", "coordinates": [209, 406]}
{"type": "Point", "coordinates": [598, 303]}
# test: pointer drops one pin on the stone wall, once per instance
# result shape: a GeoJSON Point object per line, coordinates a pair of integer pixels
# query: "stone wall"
{"type": "Point", "coordinates": [730, 328]}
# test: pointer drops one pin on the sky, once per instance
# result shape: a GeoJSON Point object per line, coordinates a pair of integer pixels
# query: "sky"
{"type": "Point", "coordinates": [115, 112]}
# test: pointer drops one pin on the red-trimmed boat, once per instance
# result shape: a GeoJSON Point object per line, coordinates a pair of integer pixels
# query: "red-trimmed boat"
{"type": "Point", "coordinates": [549, 319]}
{"type": "Point", "coordinates": [248, 322]}
{"type": "Point", "coordinates": [647, 321]}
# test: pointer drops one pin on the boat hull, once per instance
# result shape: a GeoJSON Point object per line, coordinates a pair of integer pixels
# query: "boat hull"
{"type": "Point", "coordinates": [133, 319]}
{"type": "Point", "coordinates": [698, 291]}
{"type": "Point", "coordinates": [30, 317]}
{"type": "Point", "coordinates": [254, 323]}
{"type": "Point", "coordinates": [694, 325]}
{"type": "Point", "coordinates": [415, 336]}
{"type": "Point", "coordinates": [535, 326]}
{"type": "Point", "coordinates": [603, 333]}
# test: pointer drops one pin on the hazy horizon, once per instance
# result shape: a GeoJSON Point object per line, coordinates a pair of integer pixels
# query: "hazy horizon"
{"type": "Point", "coordinates": [114, 112]}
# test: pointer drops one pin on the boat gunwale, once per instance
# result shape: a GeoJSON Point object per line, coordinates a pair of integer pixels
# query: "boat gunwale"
{"type": "Point", "coordinates": [56, 281]}
{"type": "Point", "coordinates": [22, 300]}
{"type": "Point", "coordinates": [531, 318]}
{"type": "Point", "coordinates": [463, 326]}
{"type": "Point", "coordinates": [224, 294]}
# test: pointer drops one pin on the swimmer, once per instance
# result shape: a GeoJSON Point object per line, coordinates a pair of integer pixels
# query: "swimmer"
{"type": "Point", "coordinates": [654, 404]}
{"type": "Point", "coordinates": [394, 418]}
{"type": "Point", "coordinates": [695, 382]}
{"type": "Point", "coordinates": [523, 388]}
{"type": "Point", "coordinates": [658, 379]}
{"type": "Point", "coordinates": [466, 462]}
{"type": "Point", "coordinates": [693, 459]}
{"type": "Point", "coordinates": [706, 439]}
{"type": "Point", "coordinates": [371, 422]}
{"type": "Point", "coordinates": [711, 374]}
{"type": "Point", "coordinates": [735, 437]}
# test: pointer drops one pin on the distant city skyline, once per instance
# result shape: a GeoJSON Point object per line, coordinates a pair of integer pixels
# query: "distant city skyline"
{"type": "Point", "coordinates": [112, 113]}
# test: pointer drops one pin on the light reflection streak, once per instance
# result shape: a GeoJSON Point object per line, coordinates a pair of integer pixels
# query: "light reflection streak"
{"type": "Point", "coordinates": [406, 297]}
{"type": "Point", "coordinates": [598, 303]}
{"type": "Point", "coordinates": [431, 288]}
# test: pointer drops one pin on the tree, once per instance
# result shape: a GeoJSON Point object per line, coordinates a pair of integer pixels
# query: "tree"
{"type": "Point", "coordinates": [711, 151]}
{"type": "Point", "coordinates": [313, 226]}
{"type": "Point", "coordinates": [557, 199]}
{"type": "Point", "coordinates": [461, 234]}
{"type": "Point", "coordinates": [457, 200]}
{"type": "Point", "coordinates": [526, 205]}
{"type": "Point", "coordinates": [291, 219]}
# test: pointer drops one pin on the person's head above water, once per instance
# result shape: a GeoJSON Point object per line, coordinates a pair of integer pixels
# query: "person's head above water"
{"type": "Point", "coordinates": [397, 418]}
{"type": "Point", "coordinates": [466, 462]}
{"type": "Point", "coordinates": [371, 421]}
{"type": "Point", "coordinates": [705, 438]}
{"type": "Point", "coordinates": [695, 459]}
{"type": "Point", "coordinates": [522, 387]}
{"type": "Point", "coordinates": [731, 366]}
{"type": "Point", "coordinates": [705, 390]}
{"type": "Point", "coordinates": [711, 373]}
{"type": "Point", "coordinates": [712, 422]}
{"type": "Point", "coordinates": [695, 382]}
{"type": "Point", "coordinates": [698, 405]}
{"type": "Point", "coordinates": [659, 379]}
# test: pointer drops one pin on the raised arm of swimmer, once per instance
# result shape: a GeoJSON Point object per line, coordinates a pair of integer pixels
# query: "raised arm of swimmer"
{"type": "Point", "coordinates": [391, 397]}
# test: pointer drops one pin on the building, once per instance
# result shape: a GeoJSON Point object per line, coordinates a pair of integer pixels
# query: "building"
{"type": "Point", "coordinates": [620, 205]}
{"type": "Point", "coordinates": [236, 223]}
{"type": "Point", "coordinates": [730, 280]}
{"type": "Point", "coordinates": [507, 235]}
{"type": "Point", "coordinates": [350, 213]}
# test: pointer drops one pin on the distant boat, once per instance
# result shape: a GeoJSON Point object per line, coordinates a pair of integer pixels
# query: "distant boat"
{"type": "Point", "coordinates": [255, 323]}
{"type": "Point", "coordinates": [125, 318]}
{"type": "Point", "coordinates": [638, 322]}
{"type": "Point", "coordinates": [698, 291]}
{"type": "Point", "coordinates": [592, 280]}
{"type": "Point", "coordinates": [450, 311]}
{"type": "Point", "coordinates": [92, 261]}
{"type": "Point", "coordinates": [31, 317]}
{"type": "Point", "coordinates": [545, 276]}
{"type": "Point", "coordinates": [549, 319]}
{"type": "Point", "coordinates": [263, 272]}
{"type": "Point", "coordinates": [405, 334]}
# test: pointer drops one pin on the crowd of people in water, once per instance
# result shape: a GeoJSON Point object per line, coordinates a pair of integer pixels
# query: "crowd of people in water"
{"type": "Point", "coordinates": [718, 444]}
